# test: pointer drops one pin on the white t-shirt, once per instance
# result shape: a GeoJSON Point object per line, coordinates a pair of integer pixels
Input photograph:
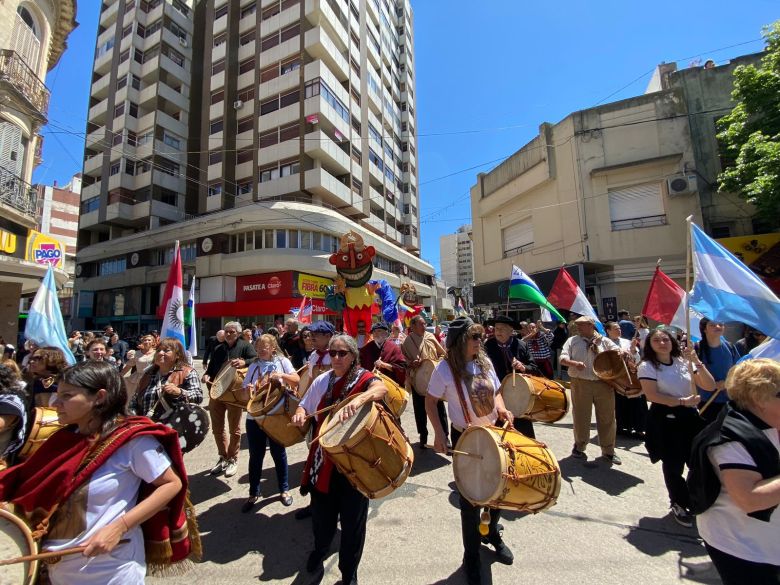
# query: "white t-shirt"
{"type": "Point", "coordinates": [725, 526]}
{"type": "Point", "coordinates": [442, 386]}
{"type": "Point", "coordinates": [278, 364]}
{"type": "Point", "coordinates": [316, 391]}
{"type": "Point", "coordinates": [111, 491]}
{"type": "Point", "coordinates": [314, 358]}
{"type": "Point", "coordinates": [673, 380]}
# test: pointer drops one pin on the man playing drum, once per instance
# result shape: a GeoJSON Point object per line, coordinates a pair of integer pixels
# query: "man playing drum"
{"type": "Point", "coordinates": [386, 357]}
{"type": "Point", "coordinates": [587, 390]}
{"type": "Point", "coordinates": [420, 345]}
{"type": "Point", "coordinates": [507, 352]}
{"type": "Point", "coordinates": [239, 354]}
{"type": "Point", "coordinates": [468, 383]}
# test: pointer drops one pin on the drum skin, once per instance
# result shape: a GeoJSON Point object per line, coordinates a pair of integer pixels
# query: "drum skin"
{"type": "Point", "coordinates": [396, 398]}
{"type": "Point", "coordinates": [273, 410]}
{"type": "Point", "coordinates": [227, 386]}
{"type": "Point", "coordinates": [610, 367]}
{"type": "Point", "coordinates": [422, 376]}
{"type": "Point", "coordinates": [512, 471]}
{"type": "Point", "coordinates": [305, 382]}
{"type": "Point", "coordinates": [369, 449]}
{"type": "Point", "coordinates": [44, 426]}
{"type": "Point", "coordinates": [534, 397]}
{"type": "Point", "coordinates": [16, 541]}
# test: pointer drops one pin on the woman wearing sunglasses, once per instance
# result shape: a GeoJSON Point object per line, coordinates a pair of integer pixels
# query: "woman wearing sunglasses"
{"type": "Point", "coordinates": [466, 380]}
{"type": "Point", "coordinates": [43, 370]}
{"type": "Point", "coordinates": [332, 496]}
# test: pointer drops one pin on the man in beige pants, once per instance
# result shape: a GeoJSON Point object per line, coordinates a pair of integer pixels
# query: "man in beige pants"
{"type": "Point", "coordinates": [588, 391]}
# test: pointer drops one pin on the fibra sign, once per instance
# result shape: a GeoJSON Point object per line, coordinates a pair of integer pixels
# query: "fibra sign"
{"type": "Point", "coordinates": [43, 249]}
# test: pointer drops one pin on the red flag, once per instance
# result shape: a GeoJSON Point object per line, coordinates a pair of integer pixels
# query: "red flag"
{"type": "Point", "coordinates": [665, 300]}
{"type": "Point", "coordinates": [305, 311]}
{"type": "Point", "coordinates": [566, 294]}
{"type": "Point", "coordinates": [172, 307]}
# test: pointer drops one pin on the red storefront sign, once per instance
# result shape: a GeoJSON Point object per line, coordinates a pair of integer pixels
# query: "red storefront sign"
{"type": "Point", "coordinates": [252, 308]}
{"type": "Point", "coordinates": [259, 287]}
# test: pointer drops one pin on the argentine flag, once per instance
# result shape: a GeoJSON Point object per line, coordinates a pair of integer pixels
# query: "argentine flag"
{"type": "Point", "coordinates": [724, 289]}
{"type": "Point", "coordinates": [45, 326]}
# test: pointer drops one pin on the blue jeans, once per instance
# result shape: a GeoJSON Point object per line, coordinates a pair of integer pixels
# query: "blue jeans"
{"type": "Point", "coordinates": [257, 443]}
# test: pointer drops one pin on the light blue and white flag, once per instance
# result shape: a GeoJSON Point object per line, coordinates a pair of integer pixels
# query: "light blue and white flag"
{"type": "Point", "coordinates": [724, 289]}
{"type": "Point", "coordinates": [770, 348]}
{"type": "Point", "coordinates": [45, 326]}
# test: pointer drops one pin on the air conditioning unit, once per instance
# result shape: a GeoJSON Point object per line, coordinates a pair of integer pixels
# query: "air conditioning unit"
{"type": "Point", "coordinates": [682, 184]}
{"type": "Point", "coordinates": [238, 104]}
{"type": "Point", "coordinates": [183, 42]}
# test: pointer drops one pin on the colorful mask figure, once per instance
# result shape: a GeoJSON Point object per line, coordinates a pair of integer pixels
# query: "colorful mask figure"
{"type": "Point", "coordinates": [353, 292]}
{"type": "Point", "coordinates": [409, 304]}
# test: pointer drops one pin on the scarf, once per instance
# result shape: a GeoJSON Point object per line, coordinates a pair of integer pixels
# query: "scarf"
{"type": "Point", "coordinates": [594, 343]}
{"type": "Point", "coordinates": [319, 467]}
{"type": "Point", "coordinates": [321, 353]}
{"type": "Point", "coordinates": [67, 460]}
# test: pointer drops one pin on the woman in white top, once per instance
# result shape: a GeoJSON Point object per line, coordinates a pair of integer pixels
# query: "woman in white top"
{"type": "Point", "coordinates": [269, 362]}
{"type": "Point", "coordinates": [642, 329]}
{"type": "Point", "coordinates": [673, 420]}
{"type": "Point", "coordinates": [467, 381]}
{"type": "Point", "coordinates": [137, 364]}
{"type": "Point", "coordinates": [741, 530]}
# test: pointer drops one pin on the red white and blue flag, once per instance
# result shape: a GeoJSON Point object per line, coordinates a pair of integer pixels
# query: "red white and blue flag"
{"type": "Point", "coordinates": [305, 311]}
{"type": "Point", "coordinates": [173, 302]}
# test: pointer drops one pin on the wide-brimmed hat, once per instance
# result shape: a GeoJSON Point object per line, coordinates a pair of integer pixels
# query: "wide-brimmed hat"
{"type": "Point", "coordinates": [502, 319]}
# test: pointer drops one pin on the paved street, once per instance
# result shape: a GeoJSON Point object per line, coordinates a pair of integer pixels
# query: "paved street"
{"type": "Point", "coordinates": [610, 525]}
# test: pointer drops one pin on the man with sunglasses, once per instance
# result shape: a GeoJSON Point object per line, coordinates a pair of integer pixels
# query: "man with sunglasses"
{"type": "Point", "coordinates": [418, 346]}
{"type": "Point", "coordinates": [240, 354]}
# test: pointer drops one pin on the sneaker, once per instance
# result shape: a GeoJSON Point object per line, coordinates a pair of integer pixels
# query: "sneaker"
{"type": "Point", "coordinates": [503, 554]}
{"type": "Point", "coordinates": [219, 467]}
{"type": "Point", "coordinates": [612, 459]}
{"type": "Point", "coordinates": [577, 454]}
{"type": "Point", "coordinates": [681, 516]}
{"type": "Point", "coordinates": [231, 467]}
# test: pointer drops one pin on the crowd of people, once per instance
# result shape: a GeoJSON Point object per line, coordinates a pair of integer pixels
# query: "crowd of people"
{"type": "Point", "coordinates": [697, 407]}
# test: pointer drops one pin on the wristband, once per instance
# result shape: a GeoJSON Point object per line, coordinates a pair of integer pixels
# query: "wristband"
{"type": "Point", "coordinates": [122, 518]}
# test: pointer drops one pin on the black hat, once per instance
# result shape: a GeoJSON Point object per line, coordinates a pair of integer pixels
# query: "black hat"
{"type": "Point", "coordinates": [381, 325]}
{"type": "Point", "coordinates": [457, 328]}
{"type": "Point", "coordinates": [503, 319]}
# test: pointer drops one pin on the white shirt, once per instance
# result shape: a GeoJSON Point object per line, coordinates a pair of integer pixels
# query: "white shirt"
{"type": "Point", "coordinates": [577, 348]}
{"type": "Point", "coordinates": [316, 391]}
{"type": "Point", "coordinates": [314, 358]}
{"type": "Point", "coordinates": [673, 380]}
{"type": "Point", "coordinates": [258, 367]}
{"type": "Point", "coordinates": [725, 526]}
{"type": "Point", "coordinates": [111, 491]}
{"type": "Point", "coordinates": [443, 387]}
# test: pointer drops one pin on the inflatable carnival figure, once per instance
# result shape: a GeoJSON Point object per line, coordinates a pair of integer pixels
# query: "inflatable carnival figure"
{"type": "Point", "coordinates": [353, 291]}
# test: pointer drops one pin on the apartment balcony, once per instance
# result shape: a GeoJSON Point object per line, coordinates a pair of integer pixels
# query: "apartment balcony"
{"type": "Point", "coordinates": [281, 151]}
{"type": "Point", "coordinates": [280, 186]}
{"type": "Point", "coordinates": [319, 44]}
{"type": "Point", "coordinates": [16, 76]}
{"type": "Point", "coordinates": [90, 191]}
{"type": "Point", "coordinates": [317, 105]}
{"type": "Point", "coordinates": [320, 13]}
{"type": "Point", "coordinates": [108, 16]}
{"type": "Point", "coordinates": [100, 87]}
{"type": "Point", "coordinates": [89, 220]}
{"type": "Point", "coordinates": [412, 242]}
{"type": "Point", "coordinates": [93, 164]}
{"type": "Point", "coordinates": [97, 113]}
{"type": "Point", "coordinates": [170, 182]}
{"type": "Point", "coordinates": [18, 195]}
{"type": "Point", "coordinates": [108, 34]}
{"type": "Point", "coordinates": [322, 147]}
{"type": "Point", "coordinates": [334, 192]}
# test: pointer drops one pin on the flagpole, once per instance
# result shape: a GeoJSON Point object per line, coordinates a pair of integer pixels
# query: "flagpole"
{"type": "Point", "coordinates": [688, 268]}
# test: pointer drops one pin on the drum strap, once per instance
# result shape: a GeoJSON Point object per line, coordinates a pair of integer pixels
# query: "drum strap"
{"type": "Point", "coordinates": [461, 397]}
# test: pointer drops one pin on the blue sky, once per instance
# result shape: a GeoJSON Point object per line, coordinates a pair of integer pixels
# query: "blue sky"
{"type": "Point", "coordinates": [488, 74]}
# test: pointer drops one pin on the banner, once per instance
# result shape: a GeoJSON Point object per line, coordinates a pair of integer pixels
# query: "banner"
{"type": "Point", "coordinates": [258, 287]}
{"type": "Point", "coordinates": [308, 285]}
{"type": "Point", "coordinates": [761, 253]}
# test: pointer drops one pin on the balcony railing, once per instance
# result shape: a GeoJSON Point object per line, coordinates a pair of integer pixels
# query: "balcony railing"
{"type": "Point", "coordinates": [17, 194]}
{"type": "Point", "coordinates": [14, 70]}
{"type": "Point", "coordinates": [638, 222]}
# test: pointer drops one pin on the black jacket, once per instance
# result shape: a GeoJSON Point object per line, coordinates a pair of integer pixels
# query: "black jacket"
{"type": "Point", "coordinates": [502, 364]}
{"type": "Point", "coordinates": [222, 353]}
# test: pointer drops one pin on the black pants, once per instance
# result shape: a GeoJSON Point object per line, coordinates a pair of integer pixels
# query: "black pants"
{"type": "Point", "coordinates": [630, 413]}
{"type": "Point", "coordinates": [469, 524]}
{"type": "Point", "coordinates": [346, 503]}
{"type": "Point", "coordinates": [736, 571]}
{"type": "Point", "coordinates": [421, 417]}
{"type": "Point", "coordinates": [524, 426]}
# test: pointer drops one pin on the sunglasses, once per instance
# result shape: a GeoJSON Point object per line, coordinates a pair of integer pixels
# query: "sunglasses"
{"type": "Point", "coordinates": [476, 336]}
{"type": "Point", "coordinates": [36, 358]}
{"type": "Point", "coordinates": [341, 353]}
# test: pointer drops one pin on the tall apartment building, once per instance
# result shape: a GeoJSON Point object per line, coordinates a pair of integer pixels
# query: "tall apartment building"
{"type": "Point", "coordinates": [257, 142]}
{"type": "Point", "coordinates": [457, 261]}
{"type": "Point", "coordinates": [33, 37]}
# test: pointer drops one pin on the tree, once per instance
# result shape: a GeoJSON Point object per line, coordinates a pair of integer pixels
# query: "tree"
{"type": "Point", "coordinates": [750, 134]}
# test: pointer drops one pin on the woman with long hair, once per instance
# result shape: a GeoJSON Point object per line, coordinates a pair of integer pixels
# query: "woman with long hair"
{"type": "Point", "coordinates": [466, 380]}
{"type": "Point", "coordinates": [13, 414]}
{"type": "Point", "coordinates": [168, 380]}
{"type": "Point", "coordinates": [270, 362]}
{"type": "Point", "coordinates": [719, 355]}
{"type": "Point", "coordinates": [139, 362]}
{"type": "Point", "coordinates": [103, 478]}
{"type": "Point", "coordinates": [673, 420]}
{"type": "Point", "coordinates": [43, 370]}
{"type": "Point", "coordinates": [332, 496]}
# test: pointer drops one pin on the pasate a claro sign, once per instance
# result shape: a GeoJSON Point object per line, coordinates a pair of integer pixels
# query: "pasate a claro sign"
{"type": "Point", "coordinates": [264, 286]}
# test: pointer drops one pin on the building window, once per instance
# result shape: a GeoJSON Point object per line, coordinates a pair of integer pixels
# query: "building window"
{"type": "Point", "coordinates": [289, 132]}
{"type": "Point", "coordinates": [290, 32]}
{"type": "Point", "coordinates": [247, 10]}
{"type": "Point", "coordinates": [518, 238]}
{"type": "Point", "coordinates": [215, 189]}
{"type": "Point", "coordinates": [217, 96]}
{"type": "Point", "coordinates": [91, 204]}
{"type": "Point", "coordinates": [245, 188]}
{"type": "Point", "coordinates": [119, 110]}
{"type": "Point", "coordinates": [215, 126]}
{"type": "Point", "coordinates": [135, 82]}
{"type": "Point", "coordinates": [287, 168]}
{"type": "Point", "coordinates": [245, 124]}
{"type": "Point", "coordinates": [247, 95]}
{"type": "Point", "coordinates": [290, 65]}
{"type": "Point", "coordinates": [246, 38]}
{"type": "Point", "coordinates": [115, 167]}
{"type": "Point", "coordinates": [220, 39]}
{"type": "Point", "coordinates": [220, 12]}
{"type": "Point", "coordinates": [217, 66]}
{"type": "Point", "coordinates": [130, 167]}
{"type": "Point", "coordinates": [269, 42]}
{"type": "Point", "coordinates": [637, 206]}
{"type": "Point", "coordinates": [269, 138]}
{"type": "Point", "coordinates": [172, 141]}
{"type": "Point", "coordinates": [289, 99]}
{"type": "Point", "coordinates": [215, 157]}
{"type": "Point", "coordinates": [133, 110]}
{"type": "Point", "coordinates": [269, 106]}
{"type": "Point", "coordinates": [246, 66]}
{"type": "Point", "coordinates": [281, 238]}
{"type": "Point", "coordinates": [292, 237]}
{"type": "Point", "coordinates": [244, 155]}
{"type": "Point", "coordinates": [269, 174]}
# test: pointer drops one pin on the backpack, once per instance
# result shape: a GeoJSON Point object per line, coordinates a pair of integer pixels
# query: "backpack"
{"type": "Point", "coordinates": [732, 424]}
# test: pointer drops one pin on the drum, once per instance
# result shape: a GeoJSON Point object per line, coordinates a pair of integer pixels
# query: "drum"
{"type": "Point", "coordinates": [273, 407]}
{"type": "Point", "coordinates": [611, 367]}
{"type": "Point", "coordinates": [534, 397]}
{"type": "Point", "coordinates": [16, 541]}
{"type": "Point", "coordinates": [502, 468]}
{"type": "Point", "coordinates": [306, 379]}
{"type": "Point", "coordinates": [422, 376]}
{"type": "Point", "coordinates": [227, 386]}
{"type": "Point", "coordinates": [396, 398]}
{"type": "Point", "coordinates": [370, 450]}
{"type": "Point", "coordinates": [190, 421]}
{"type": "Point", "coordinates": [45, 424]}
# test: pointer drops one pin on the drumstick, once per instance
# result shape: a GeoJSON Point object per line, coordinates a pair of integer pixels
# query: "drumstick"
{"type": "Point", "coordinates": [714, 395]}
{"type": "Point", "coordinates": [466, 453]}
{"type": "Point", "coordinates": [49, 554]}
{"type": "Point", "coordinates": [326, 409]}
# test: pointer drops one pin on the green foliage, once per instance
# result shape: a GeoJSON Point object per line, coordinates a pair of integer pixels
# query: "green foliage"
{"type": "Point", "coordinates": [750, 134]}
